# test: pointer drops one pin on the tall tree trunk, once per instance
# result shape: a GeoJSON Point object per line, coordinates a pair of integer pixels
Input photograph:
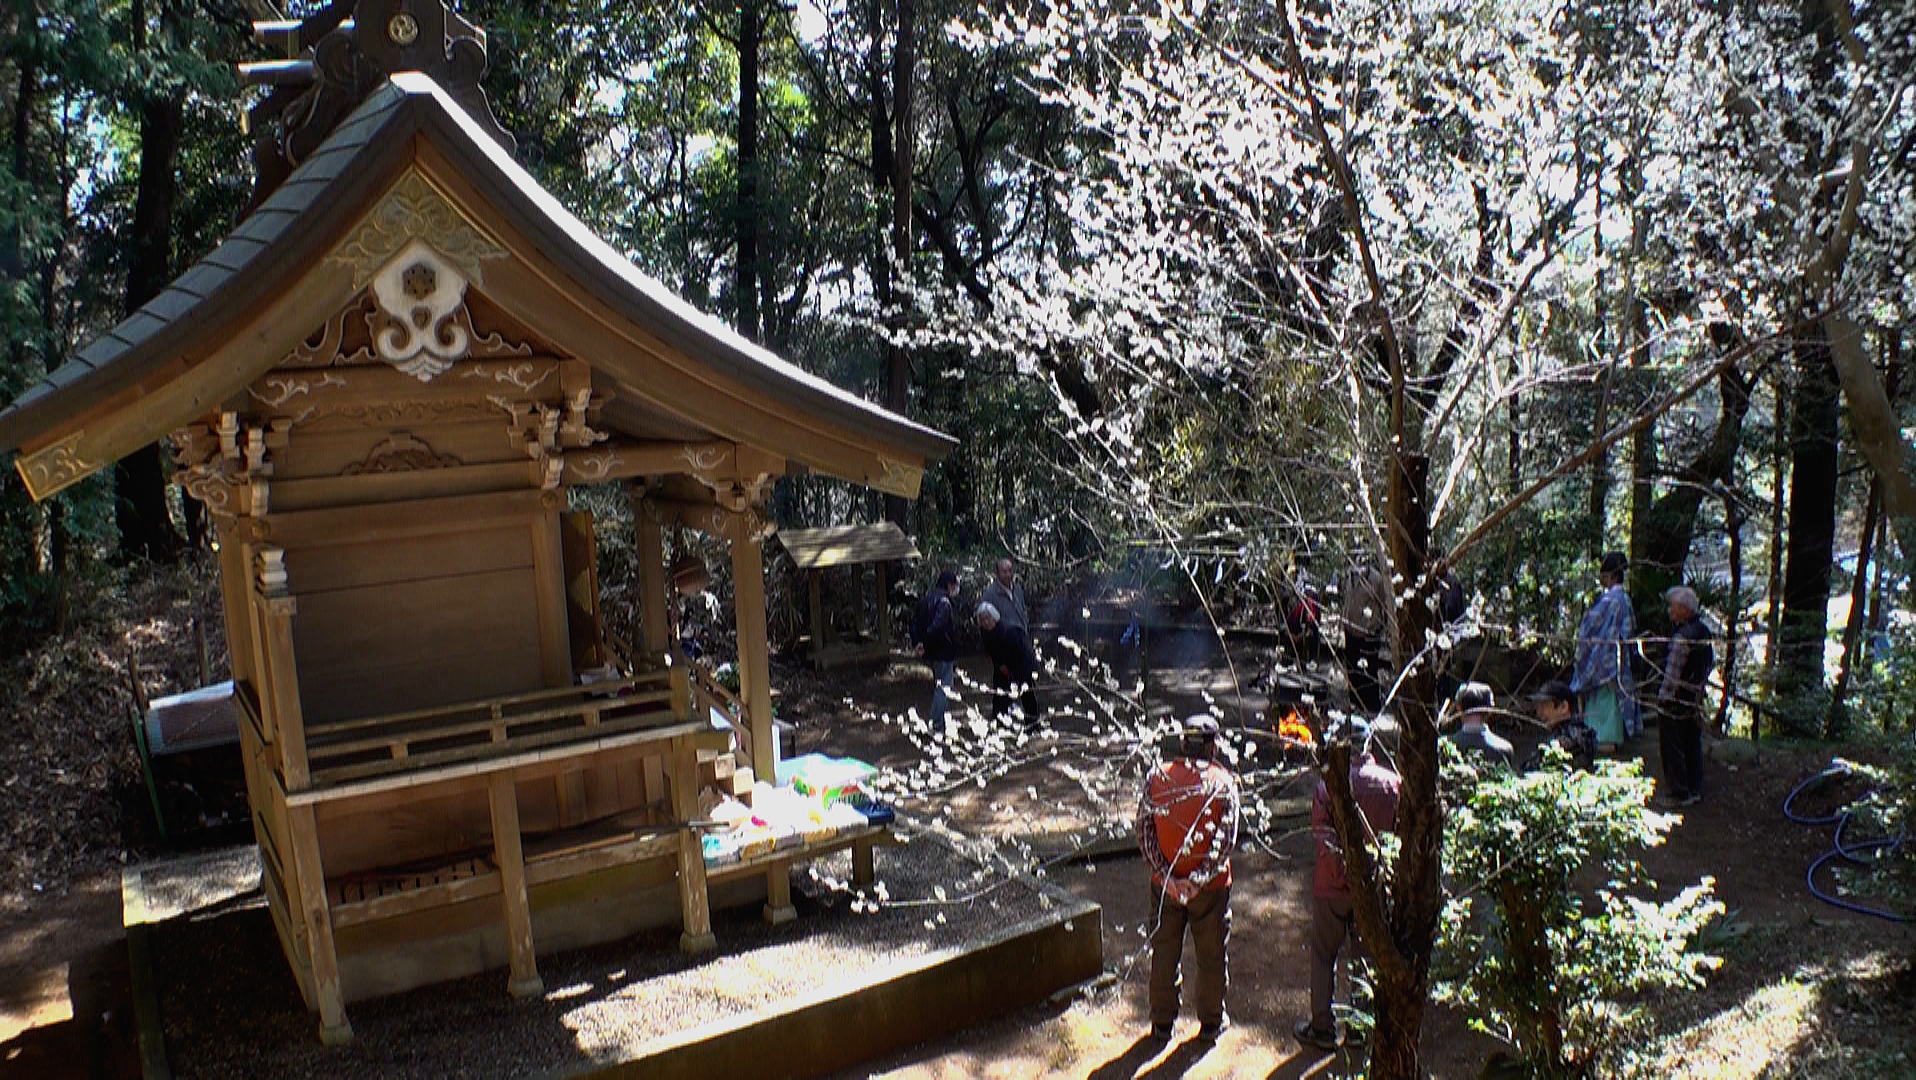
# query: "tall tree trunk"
{"type": "Point", "coordinates": [1779, 472]}
{"type": "Point", "coordinates": [1396, 908]}
{"type": "Point", "coordinates": [1670, 523]}
{"type": "Point", "coordinates": [1416, 892]}
{"type": "Point", "coordinates": [20, 556]}
{"type": "Point", "coordinates": [1606, 379]}
{"type": "Point", "coordinates": [1733, 513]}
{"type": "Point", "coordinates": [1812, 526]}
{"type": "Point", "coordinates": [751, 29]}
{"type": "Point", "coordinates": [1643, 444]}
{"type": "Point", "coordinates": [139, 480]}
{"type": "Point", "coordinates": [897, 360]}
{"type": "Point", "coordinates": [1858, 609]}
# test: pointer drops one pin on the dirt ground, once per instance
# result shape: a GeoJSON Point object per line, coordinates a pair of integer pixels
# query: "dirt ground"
{"type": "Point", "coordinates": [1806, 990]}
{"type": "Point", "coordinates": [1792, 999]}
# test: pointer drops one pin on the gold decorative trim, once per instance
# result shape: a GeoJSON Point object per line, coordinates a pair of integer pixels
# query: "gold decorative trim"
{"type": "Point", "coordinates": [56, 467]}
{"type": "Point", "coordinates": [593, 468]}
{"type": "Point", "coordinates": [415, 210]}
{"type": "Point", "coordinates": [284, 388]}
{"type": "Point", "coordinates": [402, 452]}
{"type": "Point", "coordinates": [524, 377]}
{"type": "Point", "coordinates": [898, 478]}
{"type": "Point", "coordinates": [321, 348]}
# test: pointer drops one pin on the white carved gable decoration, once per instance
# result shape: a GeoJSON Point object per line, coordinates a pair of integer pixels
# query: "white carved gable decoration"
{"type": "Point", "coordinates": [418, 292]}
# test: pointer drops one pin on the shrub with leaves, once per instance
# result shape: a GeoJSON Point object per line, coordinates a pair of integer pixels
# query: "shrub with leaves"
{"type": "Point", "coordinates": [1887, 813]}
{"type": "Point", "coordinates": [1547, 942]}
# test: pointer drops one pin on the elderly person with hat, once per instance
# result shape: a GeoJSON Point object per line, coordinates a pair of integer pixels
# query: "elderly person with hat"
{"type": "Point", "coordinates": [1602, 671]}
{"type": "Point", "coordinates": [1474, 702]}
{"type": "Point", "coordinates": [1686, 670]}
{"type": "Point", "coordinates": [1187, 829]}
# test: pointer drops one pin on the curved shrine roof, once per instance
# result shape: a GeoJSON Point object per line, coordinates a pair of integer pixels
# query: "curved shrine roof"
{"type": "Point", "coordinates": [303, 221]}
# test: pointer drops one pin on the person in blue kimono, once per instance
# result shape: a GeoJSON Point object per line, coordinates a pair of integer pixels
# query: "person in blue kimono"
{"type": "Point", "coordinates": [1602, 676]}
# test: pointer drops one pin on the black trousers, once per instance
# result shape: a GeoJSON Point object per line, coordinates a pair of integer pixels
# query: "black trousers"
{"type": "Point", "coordinates": [1001, 695]}
{"type": "Point", "coordinates": [1364, 671]}
{"type": "Point", "coordinates": [1680, 734]}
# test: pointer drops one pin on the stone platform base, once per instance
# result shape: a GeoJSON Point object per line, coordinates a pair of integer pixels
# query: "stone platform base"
{"type": "Point", "coordinates": [839, 985]}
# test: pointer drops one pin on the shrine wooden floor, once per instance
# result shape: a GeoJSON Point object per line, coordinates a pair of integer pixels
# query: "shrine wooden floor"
{"type": "Point", "coordinates": [840, 985]}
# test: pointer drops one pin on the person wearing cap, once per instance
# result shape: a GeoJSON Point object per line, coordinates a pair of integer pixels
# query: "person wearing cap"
{"type": "Point", "coordinates": [1473, 702]}
{"type": "Point", "coordinates": [1686, 669]}
{"type": "Point", "coordinates": [1187, 829]}
{"type": "Point", "coordinates": [1556, 706]}
{"type": "Point", "coordinates": [1010, 653]}
{"type": "Point", "coordinates": [1602, 672]}
{"type": "Point", "coordinates": [1375, 786]}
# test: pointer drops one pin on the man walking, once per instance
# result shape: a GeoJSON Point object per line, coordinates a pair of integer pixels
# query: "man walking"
{"type": "Point", "coordinates": [1332, 922]}
{"type": "Point", "coordinates": [934, 630]}
{"type": "Point", "coordinates": [1007, 594]}
{"type": "Point", "coordinates": [1187, 829]}
{"type": "Point", "coordinates": [1686, 669]}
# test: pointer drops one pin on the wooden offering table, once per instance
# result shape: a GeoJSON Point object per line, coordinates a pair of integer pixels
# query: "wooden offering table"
{"type": "Point", "coordinates": [536, 771]}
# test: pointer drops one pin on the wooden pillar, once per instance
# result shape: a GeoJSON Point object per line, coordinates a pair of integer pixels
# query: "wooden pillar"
{"type": "Point", "coordinates": [503, 793]}
{"type": "Point", "coordinates": [778, 894]}
{"type": "Point", "coordinates": [815, 592]}
{"type": "Point", "coordinates": [235, 587]}
{"type": "Point", "coordinates": [277, 666]}
{"type": "Point", "coordinates": [652, 593]}
{"type": "Point", "coordinates": [881, 629]}
{"type": "Point", "coordinates": [693, 904]}
{"type": "Point", "coordinates": [548, 580]}
{"type": "Point", "coordinates": [680, 680]}
{"type": "Point", "coordinates": [310, 875]}
{"type": "Point", "coordinates": [754, 655]}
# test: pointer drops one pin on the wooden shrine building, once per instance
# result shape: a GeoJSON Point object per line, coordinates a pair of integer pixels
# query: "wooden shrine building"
{"type": "Point", "coordinates": [381, 386]}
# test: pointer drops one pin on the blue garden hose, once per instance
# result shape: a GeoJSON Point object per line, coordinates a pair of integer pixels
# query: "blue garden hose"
{"type": "Point", "coordinates": [1841, 818]}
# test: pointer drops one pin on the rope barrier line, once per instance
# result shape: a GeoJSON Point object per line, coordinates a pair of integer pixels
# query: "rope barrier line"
{"type": "Point", "coordinates": [1841, 818]}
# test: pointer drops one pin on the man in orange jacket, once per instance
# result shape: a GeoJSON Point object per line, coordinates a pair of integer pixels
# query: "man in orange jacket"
{"type": "Point", "coordinates": [1187, 829]}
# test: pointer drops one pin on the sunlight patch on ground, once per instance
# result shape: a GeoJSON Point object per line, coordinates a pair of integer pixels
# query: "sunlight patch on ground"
{"type": "Point", "coordinates": [1805, 1024]}
{"type": "Point", "coordinates": [1746, 1039]}
{"type": "Point", "coordinates": [34, 1003]}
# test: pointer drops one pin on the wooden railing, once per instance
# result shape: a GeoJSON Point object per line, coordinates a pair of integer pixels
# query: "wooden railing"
{"type": "Point", "coordinates": [708, 696]}
{"type": "Point", "coordinates": [420, 740]}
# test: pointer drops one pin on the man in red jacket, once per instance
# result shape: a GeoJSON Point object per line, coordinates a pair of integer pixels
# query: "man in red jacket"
{"type": "Point", "coordinates": [1187, 829]}
{"type": "Point", "coordinates": [1376, 787]}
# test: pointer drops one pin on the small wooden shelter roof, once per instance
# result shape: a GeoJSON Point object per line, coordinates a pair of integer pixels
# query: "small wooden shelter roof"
{"type": "Point", "coordinates": [846, 545]}
{"type": "Point", "coordinates": [292, 262]}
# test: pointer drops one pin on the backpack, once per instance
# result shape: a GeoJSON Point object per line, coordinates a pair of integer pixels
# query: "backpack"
{"type": "Point", "coordinates": [921, 617]}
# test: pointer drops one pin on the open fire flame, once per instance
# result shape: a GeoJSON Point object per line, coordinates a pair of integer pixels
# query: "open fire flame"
{"type": "Point", "coordinates": [1293, 729]}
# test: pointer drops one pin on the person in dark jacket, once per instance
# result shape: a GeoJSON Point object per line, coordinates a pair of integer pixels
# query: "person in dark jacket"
{"type": "Point", "coordinates": [1011, 667]}
{"type": "Point", "coordinates": [1473, 736]}
{"type": "Point", "coordinates": [935, 632]}
{"type": "Point", "coordinates": [1557, 710]}
{"type": "Point", "coordinates": [1452, 600]}
{"type": "Point", "coordinates": [1686, 670]}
